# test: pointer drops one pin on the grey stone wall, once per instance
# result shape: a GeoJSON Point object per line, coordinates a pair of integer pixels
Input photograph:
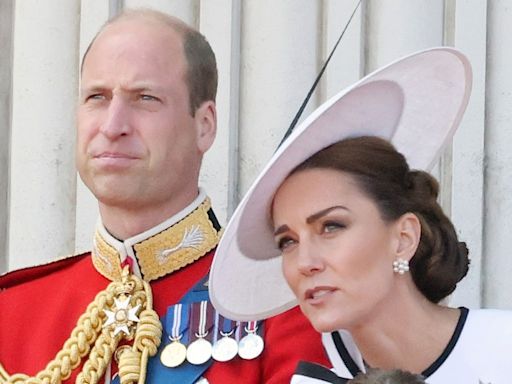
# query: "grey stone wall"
{"type": "Point", "coordinates": [6, 17]}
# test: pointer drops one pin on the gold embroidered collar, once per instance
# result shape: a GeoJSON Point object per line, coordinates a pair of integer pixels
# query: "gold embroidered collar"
{"type": "Point", "coordinates": [177, 242]}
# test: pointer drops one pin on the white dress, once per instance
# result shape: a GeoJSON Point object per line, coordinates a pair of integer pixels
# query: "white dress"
{"type": "Point", "coordinates": [479, 352]}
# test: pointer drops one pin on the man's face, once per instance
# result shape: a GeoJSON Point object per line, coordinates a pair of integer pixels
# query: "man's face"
{"type": "Point", "coordinates": [138, 145]}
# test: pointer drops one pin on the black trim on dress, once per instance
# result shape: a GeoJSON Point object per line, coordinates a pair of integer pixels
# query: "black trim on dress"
{"type": "Point", "coordinates": [345, 356]}
{"type": "Point", "coordinates": [451, 344]}
{"type": "Point", "coordinates": [316, 371]}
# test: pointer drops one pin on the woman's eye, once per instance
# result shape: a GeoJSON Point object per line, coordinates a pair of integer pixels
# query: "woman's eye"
{"type": "Point", "coordinates": [284, 243]}
{"type": "Point", "coordinates": [332, 226]}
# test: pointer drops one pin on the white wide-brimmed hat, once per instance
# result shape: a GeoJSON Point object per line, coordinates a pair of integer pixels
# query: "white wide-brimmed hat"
{"type": "Point", "coordinates": [416, 102]}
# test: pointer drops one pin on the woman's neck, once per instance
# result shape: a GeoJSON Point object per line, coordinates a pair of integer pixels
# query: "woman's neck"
{"type": "Point", "coordinates": [408, 333]}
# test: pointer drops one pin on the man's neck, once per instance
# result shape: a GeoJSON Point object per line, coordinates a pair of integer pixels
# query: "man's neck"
{"type": "Point", "coordinates": [160, 249]}
{"type": "Point", "coordinates": [123, 223]}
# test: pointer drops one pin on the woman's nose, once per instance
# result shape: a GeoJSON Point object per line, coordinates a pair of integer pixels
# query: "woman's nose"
{"type": "Point", "coordinates": [309, 259]}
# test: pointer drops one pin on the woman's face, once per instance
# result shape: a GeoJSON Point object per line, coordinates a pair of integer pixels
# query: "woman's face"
{"type": "Point", "coordinates": [337, 251]}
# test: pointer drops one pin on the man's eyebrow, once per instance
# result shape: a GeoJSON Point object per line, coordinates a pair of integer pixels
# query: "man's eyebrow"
{"type": "Point", "coordinates": [93, 88]}
{"type": "Point", "coordinates": [135, 88]}
{"type": "Point", "coordinates": [315, 216]}
{"type": "Point", "coordinates": [142, 88]}
{"type": "Point", "coordinates": [310, 219]}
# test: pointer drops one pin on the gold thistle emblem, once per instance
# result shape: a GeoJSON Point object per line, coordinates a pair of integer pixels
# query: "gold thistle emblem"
{"type": "Point", "coordinates": [122, 317]}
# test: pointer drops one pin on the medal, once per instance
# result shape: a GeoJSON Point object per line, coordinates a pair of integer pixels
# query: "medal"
{"type": "Point", "coordinates": [251, 345]}
{"type": "Point", "coordinates": [225, 348]}
{"type": "Point", "coordinates": [174, 353]}
{"type": "Point", "coordinates": [200, 350]}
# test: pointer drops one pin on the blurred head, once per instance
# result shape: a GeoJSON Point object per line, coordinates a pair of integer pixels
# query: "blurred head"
{"type": "Point", "coordinates": [147, 112]}
{"type": "Point", "coordinates": [344, 215]}
{"type": "Point", "coordinates": [378, 376]}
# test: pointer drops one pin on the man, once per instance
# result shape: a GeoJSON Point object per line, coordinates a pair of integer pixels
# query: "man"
{"type": "Point", "coordinates": [146, 117]}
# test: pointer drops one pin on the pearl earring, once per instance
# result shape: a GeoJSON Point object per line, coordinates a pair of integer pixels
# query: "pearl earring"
{"type": "Point", "coordinates": [400, 266]}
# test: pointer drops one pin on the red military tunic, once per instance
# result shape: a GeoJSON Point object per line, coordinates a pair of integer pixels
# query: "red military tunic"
{"type": "Point", "coordinates": [40, 306]}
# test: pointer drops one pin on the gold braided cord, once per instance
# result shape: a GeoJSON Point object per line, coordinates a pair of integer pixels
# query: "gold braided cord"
{"type": "Point", "coordinates": [99, 358]}
{"type": "Point", "coordinates": [76, 347]}
{"type": "Point", "coordinates": [3, 374]}
{"type": "Point", "coordinates": [90, 332]}
{"type": "Point", "coordinates": [133, 362]}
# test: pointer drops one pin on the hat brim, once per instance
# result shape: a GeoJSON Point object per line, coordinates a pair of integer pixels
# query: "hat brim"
{"type": "Point", "coordinates": [416, 102]}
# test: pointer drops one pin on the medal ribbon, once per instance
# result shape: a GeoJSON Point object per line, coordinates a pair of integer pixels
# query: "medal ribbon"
{"type": "Point", "coordinates": [201, 320]}
{"type": "Point", "coordinates": [176, 321]}
{"type": "Point", "coordinates": [227, 326]}
{"type": "Point", "coordinates": [251, 327]}
{"type": "Point", "coordinates": [223, 326]}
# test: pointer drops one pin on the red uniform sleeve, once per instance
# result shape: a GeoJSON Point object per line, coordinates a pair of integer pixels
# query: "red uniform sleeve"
{"type": "Point", "coordinates": [289, 338]}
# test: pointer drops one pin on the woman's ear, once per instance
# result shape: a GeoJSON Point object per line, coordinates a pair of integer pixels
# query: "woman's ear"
{"type": "Point", "coordinates": [206, 125]}
{"type": "Point", "coordinates": [408, 233]}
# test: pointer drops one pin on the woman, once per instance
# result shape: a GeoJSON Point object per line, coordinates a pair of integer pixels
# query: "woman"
{"type": "Point", "coordinates": [358, 236]}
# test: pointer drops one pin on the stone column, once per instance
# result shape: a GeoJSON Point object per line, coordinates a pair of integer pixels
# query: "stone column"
{"type": "Point", "coordinates": [498, 138]}
{"type": "Point", "coordinates": [279, 61]}
{"type": "Point", "coordinates": [6, 36]}
{"type": "Point", "coordinates": [42, 197]}
{"type": "Point", "coordinates": [466, 29]}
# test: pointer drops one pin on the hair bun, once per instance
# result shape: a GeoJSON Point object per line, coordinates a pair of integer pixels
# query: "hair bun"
{"type": "Point", "coordinates": [422, 185]}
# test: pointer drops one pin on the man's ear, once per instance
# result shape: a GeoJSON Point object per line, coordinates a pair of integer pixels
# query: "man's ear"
{"type": "Point", "coordinates": [206, 125]}
{"type": "Point", "coordinates": [408, 231]}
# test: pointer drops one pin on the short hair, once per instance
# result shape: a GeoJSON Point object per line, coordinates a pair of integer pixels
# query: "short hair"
{"type": "Point", "coordinates": [382, 173]}
{"type": "Point", "coordinates": [201, 76]}
{"type": "Point", "coordinates": [380, 376]}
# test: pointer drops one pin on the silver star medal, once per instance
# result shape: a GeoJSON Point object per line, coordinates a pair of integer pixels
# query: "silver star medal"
{"type": "Point", "coordinates": [122, 316]}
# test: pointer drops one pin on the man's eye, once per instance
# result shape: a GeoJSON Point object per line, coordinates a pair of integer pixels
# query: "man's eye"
{"type": "Point", "coordinates": [148, 98]}
{"type": "Point", "coordinates": [95, 96]}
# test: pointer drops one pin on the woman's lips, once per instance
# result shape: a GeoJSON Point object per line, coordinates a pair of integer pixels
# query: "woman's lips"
{"type": "Point", "coordinates": [318, 294]}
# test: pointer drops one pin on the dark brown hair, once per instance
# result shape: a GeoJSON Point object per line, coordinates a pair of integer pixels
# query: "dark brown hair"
{"type": "Point", "coordinates": [381, 172]}
{"type": "Point", "coordinates": [201, 77]}
{"type": "Point", "coordinates": [378, 376]}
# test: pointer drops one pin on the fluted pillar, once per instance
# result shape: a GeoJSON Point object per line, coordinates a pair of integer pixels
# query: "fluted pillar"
{"type": "Point", "coordinates": [498, 137]}
{"type": "Point", "coordinates": [279, 61]}
{"type": "Point", "coordinates": [42, 182]}
{"type": "Point", "coordinates": [467, 32]}
{"type": "Point", "coordinates": [220, 166]}
{"type": "Point", "coordinates": [395, 28]}
{"type": "Point", "coordinates": [186, 10]}
{"type": "Point", "coordinates": [6, 33]}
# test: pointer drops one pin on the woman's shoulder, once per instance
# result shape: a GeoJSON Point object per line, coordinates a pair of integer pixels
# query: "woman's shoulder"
{"type": "Point", "coordinates": [490, 316]}
{"type": "Point", "coordinates": [484, 347]}
{"type": "Point", "coordinates": [489, 326]}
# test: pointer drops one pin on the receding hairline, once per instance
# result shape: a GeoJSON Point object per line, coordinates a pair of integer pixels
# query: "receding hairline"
{"type": "Point", "coordinates": [173, 22]}
{"type": "Point", "coordinates": [142, 14]}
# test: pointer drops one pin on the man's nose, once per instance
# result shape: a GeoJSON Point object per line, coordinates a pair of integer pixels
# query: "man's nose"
{"type": "Point", "coordinates": [116, 121]}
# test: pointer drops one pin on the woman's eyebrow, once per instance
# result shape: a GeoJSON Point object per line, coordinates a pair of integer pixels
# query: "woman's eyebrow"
{"type": "Point", "coordinates": [323, 212]}
{"type": "Point", "coordinates": [310, 219]}
{"type": "Point", "coordinates": [281, 229]}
